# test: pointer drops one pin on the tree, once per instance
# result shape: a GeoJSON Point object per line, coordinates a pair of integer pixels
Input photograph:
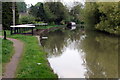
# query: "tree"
{"type": "Point", "coordinates": [40, 12]}
{"type": "Point", "coordinates": [76, 13]}
{"type": "Point", "coordinates": [7, 15]}
{"type": "Point", "coordinates": [0, 13]}
{"type": "Point", "coordinates": [91, 14]}
{"type": "Point", "coordinates": [21, 7]}
{"type": "Point", "coordinates": [110, 21]}
{"type": "Point", "coordinates": [16, 14]}
{"type": "Point", "coordinates": [59, 11]}
{"type": "Point", "coordinates": [54, 12]}
{"type": "Point", "coordinates": [33, 11]}
{"type": "Point", "coordinates": [37, 11]}
{"type": "Point", "coordinates": [49, 16]}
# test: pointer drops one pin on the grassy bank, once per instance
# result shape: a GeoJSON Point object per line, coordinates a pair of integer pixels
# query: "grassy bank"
{"type": "Point", "coordinates": [33, 63]}
{"type": "Point", "coordinates": [7, 51]}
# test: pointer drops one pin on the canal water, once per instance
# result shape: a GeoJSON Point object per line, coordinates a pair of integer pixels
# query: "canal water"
{"type": "Point", "coordinates": [82, 54]}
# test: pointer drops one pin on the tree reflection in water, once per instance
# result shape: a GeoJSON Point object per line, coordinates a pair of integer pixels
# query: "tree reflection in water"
{"type": "Point", "coordinates": [101, 55]}
{"type": "Point", "coordinates": [58, 40]}
{"type": "Point", "coordinates": [100, 51]}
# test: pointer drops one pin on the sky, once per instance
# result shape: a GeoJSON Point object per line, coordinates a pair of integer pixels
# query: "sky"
{"type": "Point", "coordinates": [67, 2]}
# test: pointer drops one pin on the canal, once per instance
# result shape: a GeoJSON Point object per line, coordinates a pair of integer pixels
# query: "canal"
{"type": "Point", "coordinates": [81, 53]}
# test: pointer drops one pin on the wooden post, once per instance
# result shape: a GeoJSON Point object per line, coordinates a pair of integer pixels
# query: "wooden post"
{"type": "Point", "coordinates": [14, 30]}
{"type": "Point", "coordinates": [4, 34]}
{"type": "Point", "coordinates": [32, 30]}
{"type": "Point", "coordinates": [17, 30]}
{"type": "Point", "coordinates": [11, 31]}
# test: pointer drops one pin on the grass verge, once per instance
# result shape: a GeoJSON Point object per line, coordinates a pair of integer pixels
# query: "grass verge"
{"type": "Point", "coordinates": [7, 52]}
{"type": "Point", "coordinates": [33, 63]}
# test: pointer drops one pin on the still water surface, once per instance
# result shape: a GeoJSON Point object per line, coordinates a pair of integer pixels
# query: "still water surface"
{"type": "Point", "coordinates": [82, 54]}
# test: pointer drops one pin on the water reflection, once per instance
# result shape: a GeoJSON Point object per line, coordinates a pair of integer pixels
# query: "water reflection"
{"type": "Point", "coordinates": [82, 54]}
{"type": "Point", "coordinates": [101, 55]}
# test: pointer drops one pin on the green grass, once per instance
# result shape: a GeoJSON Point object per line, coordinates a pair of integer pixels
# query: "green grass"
{"type": "Point", "coordinates": [7, 52]}
{"type": "Point", "coordinates": [0, 56]}
{"type": "Point", "coordinates": [7, 33]}
{"type": "Point", "coordinates": [33, 54]}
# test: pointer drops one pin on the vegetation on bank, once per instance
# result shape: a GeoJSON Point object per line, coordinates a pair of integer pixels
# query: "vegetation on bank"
{"type": "Point", "coordinates": [33, 63]}
{"type": "Point", "coordinates": [103, 16]}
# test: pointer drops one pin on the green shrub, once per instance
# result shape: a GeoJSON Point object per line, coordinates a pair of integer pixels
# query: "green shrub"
{"type": "Point", "coordinates": [26, 19]}
{"type": "Point", "coordinates": [110, 19]}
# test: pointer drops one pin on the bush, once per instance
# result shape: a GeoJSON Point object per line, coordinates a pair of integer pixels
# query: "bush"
{"type": "Point", "coordinates": [26, 19]}
{"type": "Point", "coordinates": [103, 16]}
{"type": "Point", "coordinates": [110, 19]}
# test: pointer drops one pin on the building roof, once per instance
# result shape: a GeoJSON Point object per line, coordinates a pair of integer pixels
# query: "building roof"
{"type": "Point", "coordinates": [26, 25]}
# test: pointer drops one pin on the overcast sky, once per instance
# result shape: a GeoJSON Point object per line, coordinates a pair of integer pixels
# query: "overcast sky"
{"type": "Point", "coordinates": [67, 2]}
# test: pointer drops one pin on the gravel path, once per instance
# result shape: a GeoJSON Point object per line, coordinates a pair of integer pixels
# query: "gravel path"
{"type": "Point", "coordinates": [11, 67]}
